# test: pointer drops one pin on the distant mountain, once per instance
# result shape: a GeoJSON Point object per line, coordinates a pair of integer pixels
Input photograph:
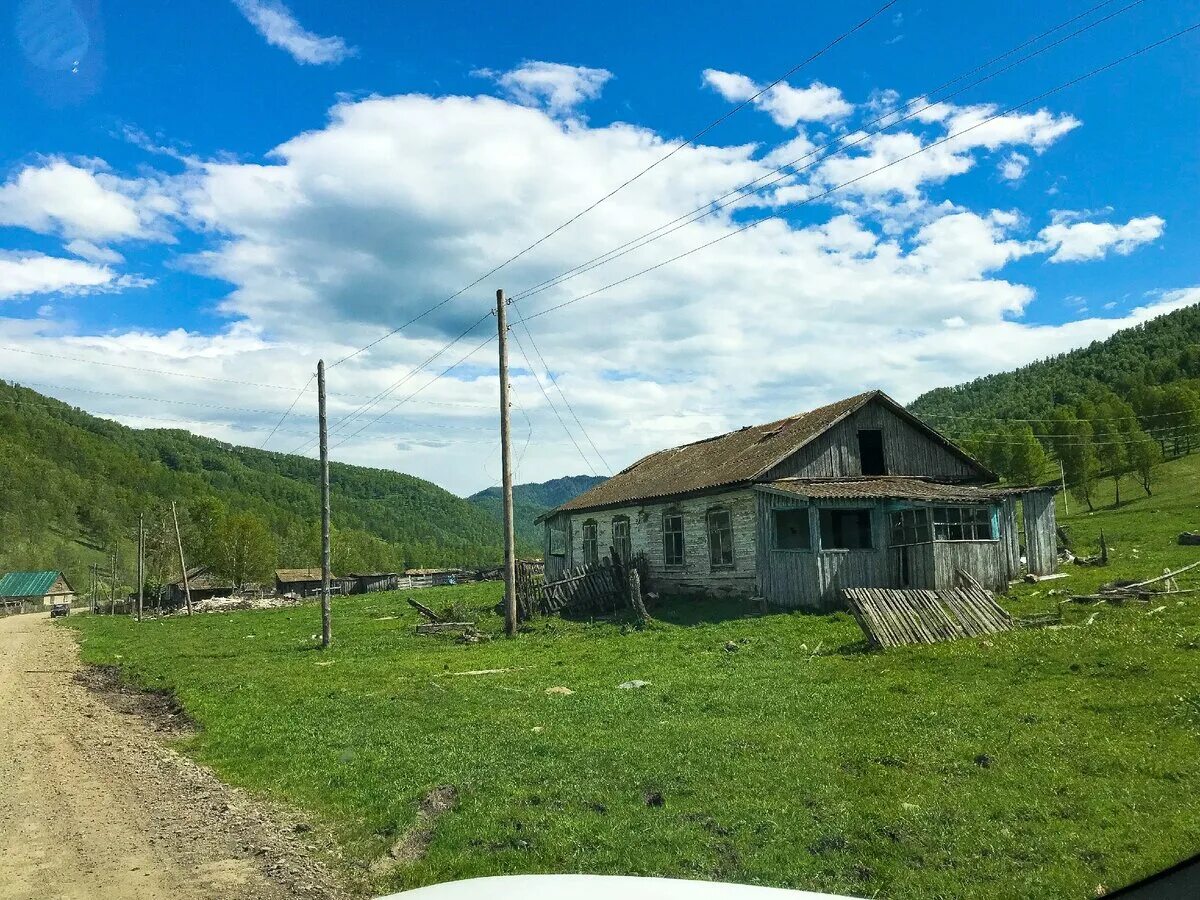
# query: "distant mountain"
{"type": "Point", "coordinates": [73, 485]}
{"type": "Point", "coordinates": [531, 500]}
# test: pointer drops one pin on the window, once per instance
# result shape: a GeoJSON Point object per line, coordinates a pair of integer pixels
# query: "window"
{"type": "Point", "coordinates": [962, 523]}
{"type": "Point", "coordinates": [870, 452]}
{"type": "Point", "coordinates": [911, 526]}
{"type": "Point", "coordinates": [591, 543]}
{"type": "Point", "coordinates": [558, 540]}
{"type": "Point", "coordinates": [620, 538]}
{"type": "Point", "coordinates": [792, 531]}
{"type": "Point", "coordinates": [720, 539]}
{"type": "Point", "coordinates": [846, 529]}
{"type": "Point", "coordinates": [673, 539]}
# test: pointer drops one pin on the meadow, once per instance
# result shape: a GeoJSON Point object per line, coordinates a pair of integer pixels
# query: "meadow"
{"type": "Point", "coordinates": [772, 749]}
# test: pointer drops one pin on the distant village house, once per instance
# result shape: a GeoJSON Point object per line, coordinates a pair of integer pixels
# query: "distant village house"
{"type": "Point", "coordinates": [859, 493]}
{"type": "Point", "coordinates": [202, 584]}
{"type": "Point", "coordinates": [34, 591]}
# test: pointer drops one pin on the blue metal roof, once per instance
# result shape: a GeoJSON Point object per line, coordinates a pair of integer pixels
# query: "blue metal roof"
{"type": "Point", "coordinates": [27, 584]}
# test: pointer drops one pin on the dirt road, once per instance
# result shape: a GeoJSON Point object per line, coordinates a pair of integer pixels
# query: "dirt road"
{"type": "Point", "coordinates": [93, 805]}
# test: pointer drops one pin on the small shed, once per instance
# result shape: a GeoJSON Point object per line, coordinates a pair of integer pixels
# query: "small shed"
{"type": "Point", "coordinates": [368, 582]}
{"type": "Point", "coordinates": [299, 581]}
{"type": "Point", "coordinates": [433, 577]}
{"type": "Point", "coordinates": [203, 585]}
{"type": "Point", "coordinates": [34, 591]}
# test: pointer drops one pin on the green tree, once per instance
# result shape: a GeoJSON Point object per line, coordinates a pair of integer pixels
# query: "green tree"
{"type": "Point", "coordinates": [1026, 463]}
{"type": "Point", "coordinates": [245, 549]}
{"type": "Point", "coordinates": [1144, 455]}
{"type": "Point", "coordinates": [1073, 445]}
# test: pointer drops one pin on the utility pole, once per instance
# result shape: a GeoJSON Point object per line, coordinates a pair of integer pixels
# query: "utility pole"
{"type": "Point", "coordinates": [112, 583]}
{"type": "Point", "coordinates": [326, 612]}
{"type": "Point", "coordinates": [141, 563]}
{"type": "Point", "coordinates": [187, 591]}
{"type": "Point", "coordinates": [93, 598]}
{"type": "Point", "coordinates": [510, 561]}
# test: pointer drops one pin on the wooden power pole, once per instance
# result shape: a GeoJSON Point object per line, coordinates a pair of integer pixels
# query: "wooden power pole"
{"type": "Point", "coordinates": [141, 563]}
{"type": "Point", "coordinates": [112, 583]}
{"type": "Point", "coordinates": [326, 612]}
{"type": "Point", "coordinates": [187, 591]}
{"type": "Point", "coordinates": [510, 560]}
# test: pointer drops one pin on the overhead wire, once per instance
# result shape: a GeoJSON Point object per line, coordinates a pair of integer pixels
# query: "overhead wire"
{"type": "Point", "coordinates": [287, 412]}
{"type": "Point", "coordinates": [950, 137]}
{"type": "Point", "coordinates": [789, 169]}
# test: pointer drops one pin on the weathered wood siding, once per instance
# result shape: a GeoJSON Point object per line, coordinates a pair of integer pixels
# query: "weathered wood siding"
{"type": "Point", "coordinates": [1041, 539]}
{"type": "Point", "coordinates": [906, 451]}
{"type": "Point", "coordinates": [646, 537]}
{"type": "Point", "coordinates": [986, 561]}
{"type": "Point", "coordinates": [1010, 536]}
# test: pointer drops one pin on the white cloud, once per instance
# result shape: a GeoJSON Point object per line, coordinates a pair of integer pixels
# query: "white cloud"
{"type": "Point", "coordinates": [558, 88]}
{"type": "Point", "coordinates": [84, 202]}
{"type": "Point", "coordinates": [350, 229]}
{"type": "Point", "coordinates": [785, 104]}
{"type": "Point", "coordinates": [35, 273]}
{"type": "Point", "coordinates": [1013, 166]}
{"type": "Point", "coordinates": [93, 252]}
{"type": "Point", "coordinates": [1093, 240]}
{"type": "Point", "coordinates": [276, 23]}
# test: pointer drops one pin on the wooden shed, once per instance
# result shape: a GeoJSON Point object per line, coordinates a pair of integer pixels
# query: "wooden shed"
{"type": "Point", "coordinates": [859, 493]}
{"type": "Point", "coordinates": [299, 581]}
{"type": "Point", "coordinates": [202, 584]}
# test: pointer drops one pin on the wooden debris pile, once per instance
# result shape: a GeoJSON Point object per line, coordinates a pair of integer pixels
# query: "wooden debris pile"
{"type": "Point", "coordinates": [1164, 586]}
{"type": "Point", "coordinates": [436, 624]}
{"type": "Point", "coordinates": [893, 617]}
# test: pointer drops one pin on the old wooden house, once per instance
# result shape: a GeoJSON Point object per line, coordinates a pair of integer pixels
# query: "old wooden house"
{"type": "Point", "coordinates": [300, 581]}
{"type": "Point", "coordinates": [859, 493]}
{"type": "Point", "coordinates": [34, 591]}
{"type": "Point", "coordinates": [202, 584]}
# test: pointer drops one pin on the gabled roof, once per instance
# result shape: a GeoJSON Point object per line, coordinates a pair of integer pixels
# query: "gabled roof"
{"type": "Point", "coordinates": [201, 578]}
{"type": "Point", "coordinates": [738, 457]}
{"type": "Point", "coordinates": [29, 584]}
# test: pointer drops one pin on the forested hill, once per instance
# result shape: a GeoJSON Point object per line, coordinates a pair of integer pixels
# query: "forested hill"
{"type": "Point", "coordinates": [1154, 354]}
{"type": "Point", "coordinates": [72, 487]}
{"type": "Point", "coordinates": [1114, 409]}
{"type": "Point", "coordinates": [531, 500]}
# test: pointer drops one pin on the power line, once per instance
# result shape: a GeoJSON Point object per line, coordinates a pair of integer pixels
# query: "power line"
{"type": "Point", "coordinates": [545, 393]}
{"type": "Point", "coordinates": [583, 212]}
{"type": "Point", "coordinates": [287, 411]}
{"type": "Point", "coordinates": [788, 169]}
{"type": "Point", "coordinates": [557, 386]}
{"type": "Point", "coordinates": [937, 143]}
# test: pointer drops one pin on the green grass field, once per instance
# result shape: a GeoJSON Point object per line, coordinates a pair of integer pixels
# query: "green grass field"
{"type": "Point", "coordinates": [1038, 763]}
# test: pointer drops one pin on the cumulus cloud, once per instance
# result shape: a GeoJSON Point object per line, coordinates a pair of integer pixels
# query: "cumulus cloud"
{"type": "Point", "coordinates": [22, 274]}
{"type": "Point", "coordinates": [785, 104]}
{"type": "Point", "coordinates": [559, 89]}
{"type": "Point", "coordinates": [347, 230]}
{"type": "Point", "coordinates": [83, 201]}
{"type": "Point", "coordinates": [1082, 241]}
{"type": "Point", "coordinates": [276, 23]}
{"type": "Point", "coordinates": [1013, 166]}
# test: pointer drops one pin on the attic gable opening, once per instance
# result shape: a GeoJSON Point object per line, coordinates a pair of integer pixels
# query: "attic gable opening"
{"type": "Point", "coordinates": [870, 452]}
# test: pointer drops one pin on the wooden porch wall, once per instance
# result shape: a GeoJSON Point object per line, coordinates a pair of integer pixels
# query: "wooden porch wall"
{"type": "Point", "coordinates": [986, 561]}
{"type": "Point", "coordinates": [906, 451]}
{"type": "Point", "coordinates": [646, 538]}
{"type": "Point", "coordinates": [1041, 539]}
{"type": "Point", "coordinates": [1010, 536]}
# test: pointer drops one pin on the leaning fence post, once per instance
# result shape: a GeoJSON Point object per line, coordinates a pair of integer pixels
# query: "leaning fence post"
{"type": "Point", "coordinates": [635, 595]}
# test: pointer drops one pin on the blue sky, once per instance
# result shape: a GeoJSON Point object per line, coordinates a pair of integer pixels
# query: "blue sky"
{"type": "Point", "coordinates": [231, 189]}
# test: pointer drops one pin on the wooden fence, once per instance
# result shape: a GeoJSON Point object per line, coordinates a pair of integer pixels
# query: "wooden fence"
{"type": "Point", "coordinates": [596, 588]}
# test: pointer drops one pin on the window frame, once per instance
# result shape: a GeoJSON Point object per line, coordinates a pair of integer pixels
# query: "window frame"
{"type": "Point", "coordinates": [883, 466]}
{"type": "Point", "coordinates": [558, 540]}
{"type": "Point", "coordinates": [944, 524]}
{"type": "Point", "coordinates": [709, 515]}
{"type": "Point", "coordinates": [591, 558]}
{"type": "Point", "coordinates": [623, 548]}
{"type": "Point", "coordinates": [799, 511]}
{"type": "Point", "coordinates": [669, 560]}
{"type": "Point", "coordinates": [858, 511]}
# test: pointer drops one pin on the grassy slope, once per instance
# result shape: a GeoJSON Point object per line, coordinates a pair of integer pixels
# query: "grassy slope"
{"type": "Point", "coordinates": [798, 760]}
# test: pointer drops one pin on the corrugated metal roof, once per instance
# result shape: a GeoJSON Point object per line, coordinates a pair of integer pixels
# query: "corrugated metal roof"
{"type": "Point", "coordinates": [28, 584]}
{"type": "Point", "coordinates": [894, 487]}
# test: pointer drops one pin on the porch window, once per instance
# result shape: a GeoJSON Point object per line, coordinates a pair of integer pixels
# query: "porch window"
{"type": "Point", "coordinates": [620, 538]}
{"type": "Point", "coordinates": [720, 539]}
{"type": "Point", "coordinates": [673, 539]}
{"type": "Point", "coordinates": [591, 543]}
{"type": "Point", "coordinates": [792, 531]}
{"type": "Point", "coordinates": [911, 526]}
{"type": "Point", "coordinates": [962, 523]}
{"type": "Point", "coordinates": [846, 529]}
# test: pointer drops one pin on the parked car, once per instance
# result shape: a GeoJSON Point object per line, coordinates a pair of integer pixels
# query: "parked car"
{"type": "Point", "coordinates": [60, 609]}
